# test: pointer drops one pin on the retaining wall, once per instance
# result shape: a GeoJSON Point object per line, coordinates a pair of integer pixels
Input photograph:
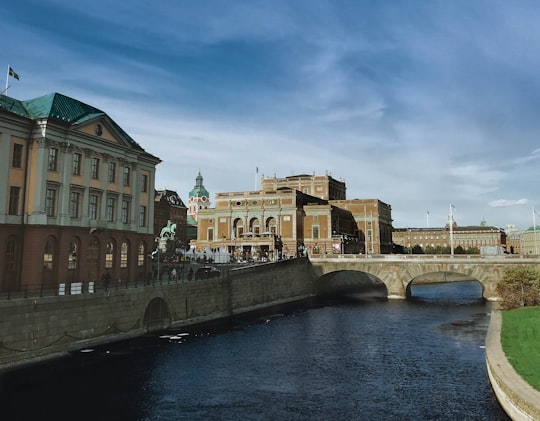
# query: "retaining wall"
{"type": "Point", "coordinates": [35, 329]}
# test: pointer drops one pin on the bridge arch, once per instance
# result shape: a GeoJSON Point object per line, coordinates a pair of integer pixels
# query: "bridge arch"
{"type": "Point", "coordinates": [157, 315]}
{"type": "Point", "coordinates": [349, 282]}
{"type": "Point", "coordinates": [444, 277]}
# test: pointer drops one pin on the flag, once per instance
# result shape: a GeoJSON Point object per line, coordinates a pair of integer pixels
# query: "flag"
{"type": "Point", "coordinates": [13, 74]}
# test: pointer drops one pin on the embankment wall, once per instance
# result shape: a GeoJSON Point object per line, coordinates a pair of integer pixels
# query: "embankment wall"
{"type": "Point", "coordinates": [519, 399]}
{"type": "Point", "coordinates": [36, 329]}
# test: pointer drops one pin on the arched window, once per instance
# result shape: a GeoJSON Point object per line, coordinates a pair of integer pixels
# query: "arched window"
{"type": "Point", "coordinates": [72, 257]}
{"type": "Point", "coordinates": [254, 226]}
{"type": "Point", "coordinates": [238, 227]}
{"type": "Point", "coordinates": [124, 255]}
{"type": "Point", "coordinates": [271, 225]}
{"type": "Point", "coordinates": [109, 252]}
{"type": "Point", "coordinates": [141, 255]}
{"type": "Point", "coordinates": [48, 255]}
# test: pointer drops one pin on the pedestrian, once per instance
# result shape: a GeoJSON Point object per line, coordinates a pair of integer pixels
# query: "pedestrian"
{"type": "Point", "coordinates": [173, 273]}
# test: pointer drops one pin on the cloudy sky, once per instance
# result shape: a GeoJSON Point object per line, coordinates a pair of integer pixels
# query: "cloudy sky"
{"type": "Point", "coordinates": [418, 103]}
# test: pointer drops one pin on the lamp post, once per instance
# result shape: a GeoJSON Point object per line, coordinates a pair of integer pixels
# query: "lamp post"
{"type": "Point", "coordinates": [157, 242]}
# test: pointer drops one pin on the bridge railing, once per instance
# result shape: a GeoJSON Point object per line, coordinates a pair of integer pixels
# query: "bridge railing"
{"type": "Point", "coordinates": [401, 257]}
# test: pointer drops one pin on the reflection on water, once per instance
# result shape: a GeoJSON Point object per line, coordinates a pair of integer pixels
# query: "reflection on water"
{"type": "Point", "coordinates": [421, 359]}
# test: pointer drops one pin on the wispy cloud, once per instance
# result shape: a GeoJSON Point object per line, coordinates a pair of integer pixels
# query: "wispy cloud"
{"type": "Point", "coordinates": [504, 203]}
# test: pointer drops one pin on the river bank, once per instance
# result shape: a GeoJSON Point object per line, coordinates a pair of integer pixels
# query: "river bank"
{"type": "Point", "coordinates": [519, 399]}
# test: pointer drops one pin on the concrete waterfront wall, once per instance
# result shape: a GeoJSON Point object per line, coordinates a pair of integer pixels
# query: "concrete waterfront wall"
{"type": "Point", "coordinates": [36, 329]}
{"type": "Point", "coordinates": [519, 399]}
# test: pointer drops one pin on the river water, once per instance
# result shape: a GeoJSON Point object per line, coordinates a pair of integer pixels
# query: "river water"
{"type": "Point", "coordinates": [352, 359]}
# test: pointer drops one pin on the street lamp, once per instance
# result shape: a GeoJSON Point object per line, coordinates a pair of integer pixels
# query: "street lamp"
{"type": "Point", "coordinates": [157, 242]}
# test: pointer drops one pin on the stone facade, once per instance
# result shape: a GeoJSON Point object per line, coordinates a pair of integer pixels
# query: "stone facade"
{"type": "Point", "coordinates": [76, 195]}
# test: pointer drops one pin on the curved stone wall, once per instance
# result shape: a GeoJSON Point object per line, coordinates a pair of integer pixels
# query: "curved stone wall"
{"type": "Point", "coordinates": [519, 400]}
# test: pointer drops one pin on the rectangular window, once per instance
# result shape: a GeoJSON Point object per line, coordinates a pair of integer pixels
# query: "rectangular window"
{"type": "Point", "coordinates": [95, 168]}
{"type": "Point", "coordinates": [53, 159]}
{"type": "Point", "coordinates": [11, 256]}
{"type": "Point", "coordinates": [76, 164]}
{"type": "Point", "coordinates": [16, 160]}
{"type": "Point", "coordinates": [110, 209]}
{"type": "Point", "coordinates": [112, 172]}
{"type": "Point", "coordinates": [50, 202]}
{"type": "Point", "coordinates": [74, 204]}
{"type": "Point", "coordinates": [125, 211]}
{"type": "Point", "coordinates": [144, 183]}
{"type": "Point", "coordinates": [127, 174]}
{"type": "Point", "coordinates": [142, 216]}
{"type": "Point", "coordinates": [93, 207]}
{"type": "Point", "coordinates": [210, 234]}
{"type": "Point", "coordinates": [14, 198]}
{"type": "Point", "coordinates": [315, 229]}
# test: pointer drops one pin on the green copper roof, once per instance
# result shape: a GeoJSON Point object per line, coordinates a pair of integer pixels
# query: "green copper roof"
{"type": "Point", "coordinates": [59, 107]}
{"type": "Point", "coordinates": [199, 190]}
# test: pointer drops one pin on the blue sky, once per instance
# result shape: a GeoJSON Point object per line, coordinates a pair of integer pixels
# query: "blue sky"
{"type": "Point", "coordinates": [417, 103]}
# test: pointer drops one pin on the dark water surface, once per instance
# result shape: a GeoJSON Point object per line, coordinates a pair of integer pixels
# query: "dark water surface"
{"type": "Point", "coordinates": [356, 359]}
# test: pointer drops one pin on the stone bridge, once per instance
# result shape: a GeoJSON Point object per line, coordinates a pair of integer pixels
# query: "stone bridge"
{"type": "Point", "coordinates": [397, 272]}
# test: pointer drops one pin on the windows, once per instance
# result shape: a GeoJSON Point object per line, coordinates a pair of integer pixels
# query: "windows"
{"type": "Point", "coordinates": [127, 174]}
{"type": "Point", "coordinates": [124, 255]}
{"type": "Point", "coordinates": [112, 172]}
{"type": "Point", "coordinates": [144, 183]}
{"type": "Point", "coordinates": [125, 211]}
{"type": "Point", "coordinates": [140, 255]}
{"type": "Point", "coordinates": [48, 254]}
{"type": "Point", "coordinates": [53, 159]}
{"type": "Point", "coordinates": [16, 159]}
{"type": "Point", "coordinates": [315, 232]}
{"type": "Point", "coordinates": [72, 257]}
{"type": "Point", "coordinates": [76, 164]}
{"type": "Point", "coordinates": [142, 216]}
{"type": "Point", "coordinates": [110, 210]}
{"type": "Point", "coordinates": [50, 202]}
{"type": "Point", "coordinates": [74, 204]}
{"type": "Point", "coordinates": [210, 234]}
{"type": "Point", "coordinates": [95, 169]}
{"type": "Point", "coordinates": [14, 198]}
{"type": "Point", "coordinates": [93, 206]}
{"type": "Point", "coordinates": [11, 256]}
{"type": "Point", "coordinates": [109, 255]}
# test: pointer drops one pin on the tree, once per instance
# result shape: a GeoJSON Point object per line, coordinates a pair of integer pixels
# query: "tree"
{"type": "Point", "coordinates": [519, 287]}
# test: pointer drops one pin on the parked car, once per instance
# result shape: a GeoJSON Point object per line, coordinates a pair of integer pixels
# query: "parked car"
{"type": "Point", "coordinates": [207, 272]}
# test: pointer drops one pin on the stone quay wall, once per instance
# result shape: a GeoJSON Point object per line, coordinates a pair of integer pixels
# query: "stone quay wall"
{"type": "Point", "coordinates": [518, 399]}
{"type": "Point", "coordinates": [36, 329]}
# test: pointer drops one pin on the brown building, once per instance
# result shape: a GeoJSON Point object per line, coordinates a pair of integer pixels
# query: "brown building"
{"type": "Point", "coordinates": [170, 209]}
{"type": "Point", "coordinates": [322, 186]}
{"type": "Point", "coordinates": [266, 223]}
{"type": "Point", "coordinates": [76, 195]}
{"type": "Point", "coordinates": [303, 210]}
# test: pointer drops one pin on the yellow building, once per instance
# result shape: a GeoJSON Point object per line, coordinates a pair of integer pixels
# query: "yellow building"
{"type": "Point", "coordinates": [530, 241]}
{"type": "Point", "coordinates": [76, 195]}
{"type": "Point", "coordinates": [468, 237]}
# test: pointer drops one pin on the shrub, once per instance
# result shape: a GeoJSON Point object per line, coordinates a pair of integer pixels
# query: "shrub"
{"type": "Point", "coordinates": [520, 287]}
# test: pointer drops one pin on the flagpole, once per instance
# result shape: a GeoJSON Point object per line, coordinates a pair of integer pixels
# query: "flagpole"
{"type": "Point", "coordinates": [451, 231]}
{"type": "Point", "coordinates": [534, 231]}
{"type": "Point", "coordinates": [7, 81]}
